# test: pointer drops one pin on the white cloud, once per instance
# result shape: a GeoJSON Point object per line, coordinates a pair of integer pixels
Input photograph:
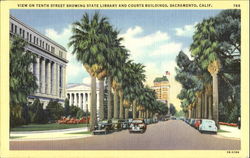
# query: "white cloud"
{"type": "Point", "coordinates": [188, 53]}
{"type": "Point", "coordinates": [186, 31]}
{"type": "Point", "coordinates": [139, 45]}
{"type": "Point", "coordinates": [168, 48]}
{"type": "Point", "coordinates": [74, 68]}
{"type": "Point", "coordinates": [87, 80]}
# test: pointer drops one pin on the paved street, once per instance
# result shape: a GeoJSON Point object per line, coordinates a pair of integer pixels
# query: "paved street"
{"type": "Point", "coordinates": [169, 135]}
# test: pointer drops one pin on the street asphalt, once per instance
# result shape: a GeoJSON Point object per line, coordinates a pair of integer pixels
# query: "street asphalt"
{"type": "Point", "coordinates": [168, 135]}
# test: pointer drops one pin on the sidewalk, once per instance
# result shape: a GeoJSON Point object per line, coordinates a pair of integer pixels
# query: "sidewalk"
{"type": "Point", "coordinates": [232, 132]}
{"type": "Point", "coordinates": [49, 135]}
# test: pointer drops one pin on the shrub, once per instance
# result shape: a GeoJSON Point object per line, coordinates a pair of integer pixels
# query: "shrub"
{"type": "Point", "coordinates": [54, 110]}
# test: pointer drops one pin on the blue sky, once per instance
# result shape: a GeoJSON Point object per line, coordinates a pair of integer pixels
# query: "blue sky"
{"type": "Point", "coordinates": [154, 37]}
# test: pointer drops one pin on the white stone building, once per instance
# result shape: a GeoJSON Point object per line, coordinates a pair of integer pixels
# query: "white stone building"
{"type": "Point", "coordinates": [80, 95]}
{"type": "Point", "coordinates": [50, 66]}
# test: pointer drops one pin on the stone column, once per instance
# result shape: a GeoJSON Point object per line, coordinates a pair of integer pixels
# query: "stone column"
{"type": "Point", "coordinates": [70, 99]}
{"type": "Point", "coordinates": [37, 74]}
{"type": "Point", "coordinates": [58, 81]}
{"type": "Point", "coordinates": [213, 69]}
{"type": "Point", "coordinates": [80, 100]}
{"type": "Point", "coordinates": [64, 82]}
{"type": "Point", "coordinates": [75, 102]}
{"type": "Point", "coordinates": [54, 79]}
{"type": "Point", "coordinates": [43, 76]}
{"type": "Point", "coordinates": [49, 78]}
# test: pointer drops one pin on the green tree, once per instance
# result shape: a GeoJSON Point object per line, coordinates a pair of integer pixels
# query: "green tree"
{"type": "Point", "coordinates": [22, 81]}
{"type": "Point", "coordinates": [88, 42]}
{"type": "Point", "coordinates": [55, 110]}
{"type": "Point", "coordinates": [66, 107]}
{"type": "Point", "coordinates": [172, 109]}
{"type": "Point", "coordinates": [36, 112]}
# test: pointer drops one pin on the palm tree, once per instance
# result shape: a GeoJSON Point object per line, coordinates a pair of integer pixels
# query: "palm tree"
{"type": "Point", "coordinates": [88, 42]}
{"type": "Point", "coordinates": [22, 81]}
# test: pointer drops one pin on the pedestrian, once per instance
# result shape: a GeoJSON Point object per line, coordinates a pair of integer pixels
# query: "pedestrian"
{"type": "Point", "coordinates": [239, 122]}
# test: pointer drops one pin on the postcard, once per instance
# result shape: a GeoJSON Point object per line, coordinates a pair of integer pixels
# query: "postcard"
{"type": "Point", "coordinates": [124, 79]}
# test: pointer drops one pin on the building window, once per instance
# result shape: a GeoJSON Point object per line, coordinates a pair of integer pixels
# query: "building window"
{"type": "Point", "coordinates": [43, 44]}
{"type": "Point", "coordinates": [20, 31]}
{"type": "Point", "coordinates": [15, 29]}
{"type": "Point", "coordinates": [12, 27]}
{"type": "Point", "coordinates": [52, 49]}
{"type": "Point", "coordinates": [60, 54]}
{"type": "Point", "coordinates": [46, 46]}
{"type": "Point", "coordinates": [40, 43]}
{"type": "Point", "coordinates": [23, 33]}
{"type": "Point", "coordinates": [30, 37]}
{"type": "Point", "coordinates": [37, 40]}
{"type": "Point", "coordinates": [34, 40]}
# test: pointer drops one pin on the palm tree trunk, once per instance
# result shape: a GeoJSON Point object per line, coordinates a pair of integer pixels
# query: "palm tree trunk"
{"type": "Point", "coordinates": [115, 104]}
{"type": "Point", "coordinates": [134, 110]}
{"type": "Point", "coordinates": [147, 113]}
{"type": "Point", "coordinates": [121, 105]}
{"type": "Point", "coordinates": [101, 99]}
{"type": "Point", "coordinates": [199, 107]}
{"type": "Point", "coordinates": [215, 99]}
{"type": "Point", "coordinates": [189, 113]}
{"type": "Point", "coordinates": [140, 115]}
{"type": "Point", "coordinates": [93, 103]}
{"type": "Point", "coordinates": [205, 106]}
{"type": "Point", "coordinates": [210, 107]}
{"type": "Point", "coordinates": [126, 113]}
{"type": "Point", "coordinates": [109, 99]}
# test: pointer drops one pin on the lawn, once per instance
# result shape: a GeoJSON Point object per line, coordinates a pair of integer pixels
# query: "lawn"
{"type": "Point", "coordinates": [43, 127]}
{"type": "Point", "coordinates": [86, 132]}
{"type": "Point", "coordinates": [220, 130]}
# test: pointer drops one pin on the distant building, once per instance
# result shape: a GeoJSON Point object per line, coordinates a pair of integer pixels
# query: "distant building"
{"type": "Point", "coordinates": [80, 95]}
{"type": "Point", "coordinates": [50, 66]}
{"type": "Point", "coordinates": [161, 87]}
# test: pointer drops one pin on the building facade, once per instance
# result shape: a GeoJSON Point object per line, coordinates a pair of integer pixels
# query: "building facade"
{"type": "Point", "coordinates": [50, 66]}
{"type": "Point", "coordinates": [161, 87]}
{"type": "Point", "coordinates": [80, 95]}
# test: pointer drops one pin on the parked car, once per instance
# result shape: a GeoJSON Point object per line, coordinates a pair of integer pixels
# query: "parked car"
{"type": "Point", "coordinates": [104, 126]}
{"type": "Point", "coordinates": [173, 118]}
{"type": "Point", "coordinates": [148, 121]}
{"type": "Point", "coordinates": [117, 124]}
{"type": "Point", "coordinates": [125, 124]}
{"type": "Point", "coordinates": [155, 120]}
{"type": "Point", "coordinates": [138, 125]}
{"type": "Point", "coordinates": [191, 122]}
{"type": "Point", "coordinates": [197, 123]}
{"type": "Point", "coordinates": [207, 126]}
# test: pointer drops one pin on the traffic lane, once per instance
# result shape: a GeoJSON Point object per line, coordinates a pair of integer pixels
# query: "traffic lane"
{"type": "Point", "coordinates": [168, 135]}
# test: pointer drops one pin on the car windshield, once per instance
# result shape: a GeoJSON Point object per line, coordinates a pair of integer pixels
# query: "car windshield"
{"type": "Point", "coordinates": [114, 121]}
{"type": "Point", "coordinates": [137, 121]}
{"type": "Point", "coordinates": [208, 121]}
{"type": "Point", "coordinates": [104, 121]}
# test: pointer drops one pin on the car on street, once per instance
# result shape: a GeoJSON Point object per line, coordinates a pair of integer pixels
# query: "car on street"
{"type": "Point", "coordinates": [104, 126]}
{"type": "Point", "coordinates": [125, 124]}
{"type": "Point", "coordinates": [172, 118]}
{"type": "Point", "coordinates": [138, 125]}
{"type": "Point", "coordinates": [207, 126]}
{"type": "Point", "coordinates": [197, 123]}
{"type": "Point", "coordinates": [191, 122]}
{"type": "Point", "coordinates": [117, 124]}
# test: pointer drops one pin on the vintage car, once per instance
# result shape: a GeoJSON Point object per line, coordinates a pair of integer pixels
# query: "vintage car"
{"type": "Point", "coordinates": [207, 126]}
{"type": "Point", "coordinates": [104, 126]}
{"type": "Point", "coordinates": [117, 124]}
{"type": "Point", "coordinates": [138, 125]}
{"type": "Point", "coordinates": [125, 124]}
{"type": "Point", "coordinates": [197, 123]}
